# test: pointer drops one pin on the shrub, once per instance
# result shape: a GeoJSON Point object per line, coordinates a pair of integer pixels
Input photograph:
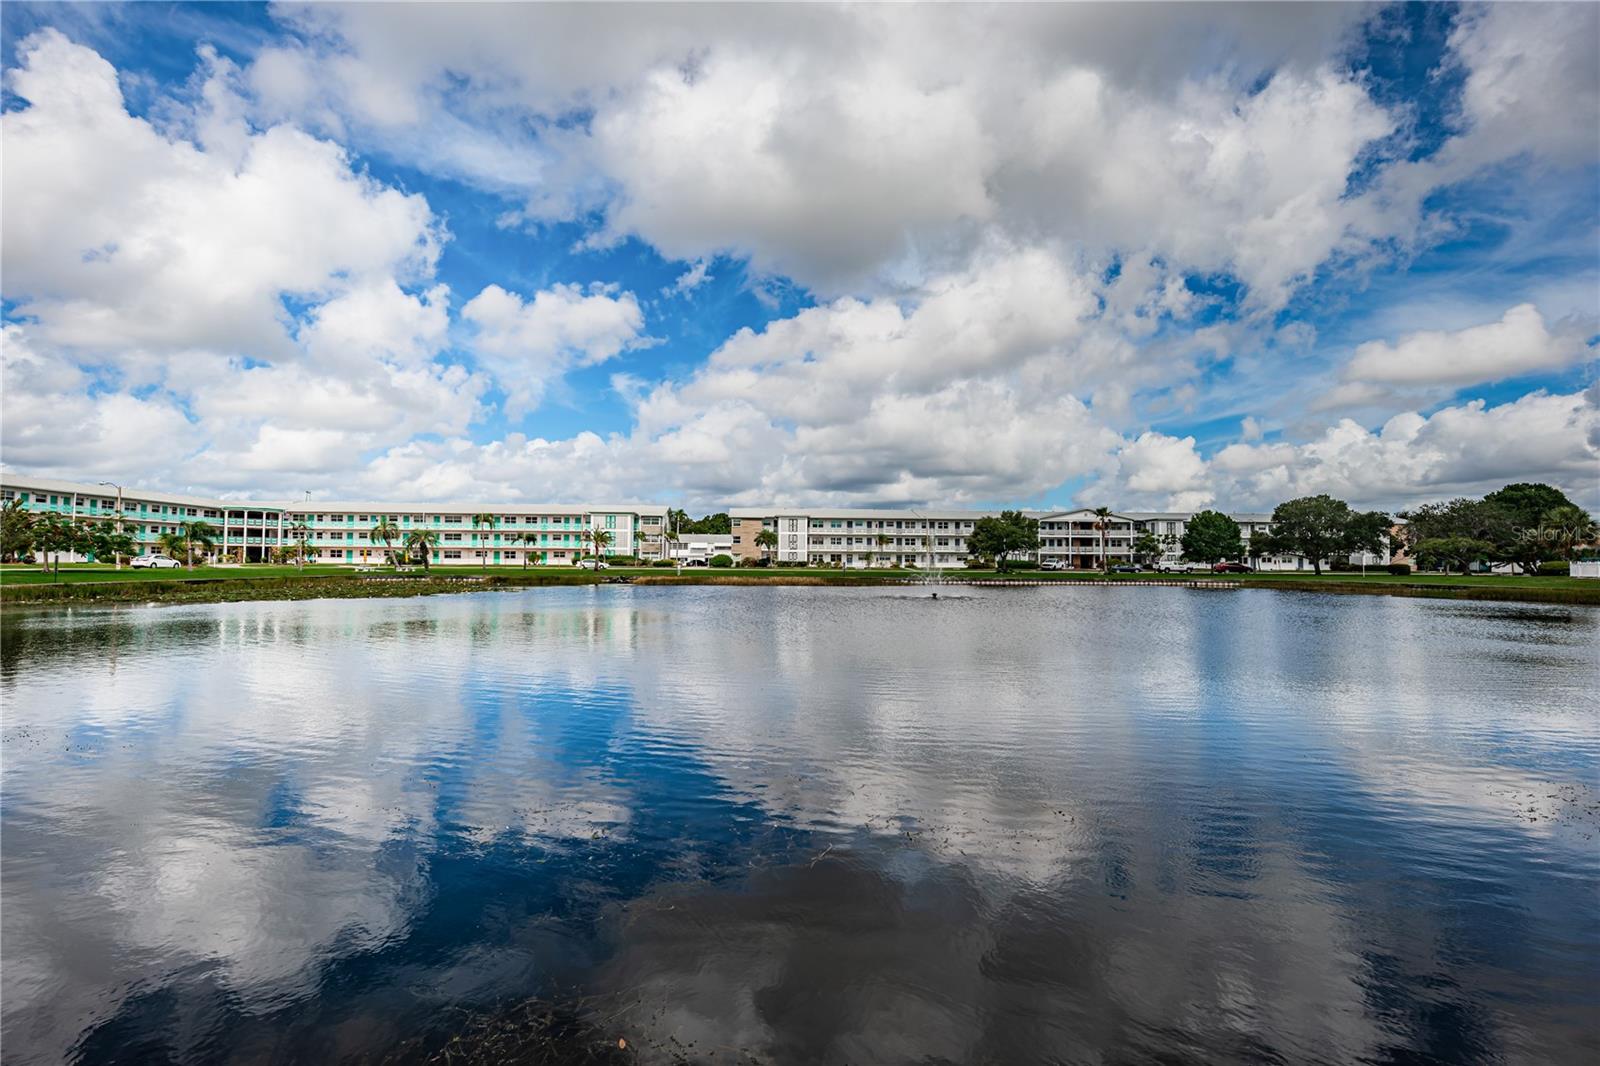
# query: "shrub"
{"type": "Point", "coordinates": [664, 562]}
{"type": "Point", "coordinates": [1022, 564]}
{"type": "Point", "coordinates": [1561, 569]}
{"type": "Point", "coordinates": [1400, 569]}
{"type": "Point", "coordinates": [722, 562]}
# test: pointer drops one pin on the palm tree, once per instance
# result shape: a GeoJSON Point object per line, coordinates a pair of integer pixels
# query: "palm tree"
{"type": "Point", "coordinates": [173, 545]}
{"type": "Point", "coordinates": [767, 540]}
{"type": "Point", "coordinates": [882, 540]}
{"type": "Point", "coordinates": [1103, 524]}
{"type": "Point", "coordinates": [385, 533]}
{"type": "Point", "coordinates": [598, 540]}
{"type": "Point", "coordinates": [203, 534]}
{"type": "Point", "coordinates": [481, 521]}
{"type": "Point", "coordinates": [420, 544]}
{"type": "Point", "coordinates": [669, 537]}
{"type": "Point", "coordinates": [300, 545]}
{"type": "Point", "coordinates": [1570, 528]}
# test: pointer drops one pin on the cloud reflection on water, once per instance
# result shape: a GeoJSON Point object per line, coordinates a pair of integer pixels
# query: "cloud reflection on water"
{"type": "Point", "coordinates": [1061, 825]}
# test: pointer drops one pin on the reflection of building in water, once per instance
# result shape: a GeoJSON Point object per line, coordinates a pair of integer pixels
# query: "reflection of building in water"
{"type": "Point", "coordinates": [462, 533]}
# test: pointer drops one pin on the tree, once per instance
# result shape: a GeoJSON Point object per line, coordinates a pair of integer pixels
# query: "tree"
{"type": "Point", "coordinates": [300, 543]}
{"type": "Point", "coordinates": [53, 535]}
{"type": "Point", "coordinates": [1000, 538]}
{"type": "Point", "coordinates": [1526, 503]}
{"type": "Point", "coordinates": [1445, 552]}
{"type": "Point", "coordinates": [105, 541]}
{"type": "Point", "coordinates": [1367, 532]}
{"type": "Point", "coordinates": [1461, 517]}
{"type": "Point", "coordinates": [1102, 522]}
{"type": "Point", "coordinates": [385, 532]}
{"type": "Point", "coordinates": [172, 545]}
{"type": "Point", "coordinates": [420, 544]}
{"type": "Point", "coordinates": [669, 537]}
{"type": "Point", "coordinates": [16, 532]}
{"type": "Point", "coordinates": [1316, 527]}
{"type": "Point", "coordinates": [1502, 521]}
{"type": "Point", "coordinates": [880, 541]}
{"type": "Point", "coordinates": [516, 538]}
{"type": "Point", "coordinates": [1146, 548]}
{"type": "Point", "coordinates": [1262, 544]}
{"type": "Point", "coordinates": [711, 523]}
{"type": "Point", "coordinates": [767, 541]}
{"type": "Point", "coordinates": [597, 539]}
{"type": "Point", "coordinates": [1569, 528]}
{"type": "Point", "coordinates": [197, 534]}
{"type": "Point", "coordinates": [481, 521]}
{"type": "Point", "coordinates": [1211, 537]}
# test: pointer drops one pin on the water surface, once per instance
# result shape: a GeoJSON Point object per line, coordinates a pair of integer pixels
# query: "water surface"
{"type": "Point", "coordinates": [798, 825]}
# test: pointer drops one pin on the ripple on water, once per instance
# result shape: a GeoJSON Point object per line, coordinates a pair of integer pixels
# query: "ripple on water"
{"type": "Point", "coordinates": [802, 825]}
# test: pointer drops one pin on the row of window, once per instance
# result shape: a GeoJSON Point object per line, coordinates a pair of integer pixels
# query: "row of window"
{"type": "Point", "coordinates": [454, 519]}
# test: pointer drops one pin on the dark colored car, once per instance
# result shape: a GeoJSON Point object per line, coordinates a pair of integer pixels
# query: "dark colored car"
{"type": "Point", "coordinates": [1125, 568]}
{"type": "Point", "coordinates": [1231, 568]}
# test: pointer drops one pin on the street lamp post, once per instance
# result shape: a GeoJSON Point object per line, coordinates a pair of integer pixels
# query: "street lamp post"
{"type": "Point", "coordinates": [117, 556]}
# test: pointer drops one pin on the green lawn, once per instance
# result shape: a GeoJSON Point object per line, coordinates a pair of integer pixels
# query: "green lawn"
{"type": "Point", "coordinates": [1486, 586]}
{"type": "Point", "coordinates": [12, 574]}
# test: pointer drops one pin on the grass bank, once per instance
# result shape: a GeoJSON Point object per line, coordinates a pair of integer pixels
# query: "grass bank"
{"type": "Point", "coordinates": [245, 584]}
{"type": "Point", "coordinates": [88, 583]}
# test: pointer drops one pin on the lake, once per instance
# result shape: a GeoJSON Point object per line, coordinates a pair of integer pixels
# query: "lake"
{"type": "Point", "coordinates": [803, 825]}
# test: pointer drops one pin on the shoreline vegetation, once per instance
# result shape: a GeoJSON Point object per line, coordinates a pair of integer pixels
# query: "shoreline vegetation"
{"type": "Point", "coordinates": [93, 584]}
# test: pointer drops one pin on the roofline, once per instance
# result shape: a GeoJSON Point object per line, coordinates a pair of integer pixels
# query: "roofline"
{"type": "Point", "coordinates": [78, 488]}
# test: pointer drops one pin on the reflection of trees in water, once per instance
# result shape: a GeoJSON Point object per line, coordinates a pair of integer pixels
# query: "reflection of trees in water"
{"type": "Point", "coordinates": [38, 639]}
{"type": "Point", "coordinates": [641, 799]}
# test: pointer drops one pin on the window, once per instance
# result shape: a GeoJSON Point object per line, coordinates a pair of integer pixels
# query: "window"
{"type": "Point", "coordinates": [452, 555]}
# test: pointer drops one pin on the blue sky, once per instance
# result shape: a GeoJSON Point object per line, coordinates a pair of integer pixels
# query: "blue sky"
{"type": "Point", "coordinates": [1150, 256]}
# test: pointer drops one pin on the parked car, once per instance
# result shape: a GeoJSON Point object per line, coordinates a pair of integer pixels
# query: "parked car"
{"type": "Point", "coordinates": [594, 564]}
{"type": "Point", "coordinates": [1232, 568]}
{"type": "Point", "coordinates": [1052, 564]}
{"type": "Point", "coordinates": [1125, 568]}
{"type": "Point", "coordinates": [153, 562]}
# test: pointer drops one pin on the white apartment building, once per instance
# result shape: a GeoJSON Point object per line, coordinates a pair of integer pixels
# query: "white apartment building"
{"type": "Point", "coordinates": [928, 538]}
{"type": "Point", "coordinates": [857, 537]}
{"type": "Point", "coordinates": [466, 534]}
{"type": "Point", "coordinates": [1168, 528]}
{"type": "Point", "coordinates": [697, 549]}
{"type": "Point", "coordinates": [854, 537]}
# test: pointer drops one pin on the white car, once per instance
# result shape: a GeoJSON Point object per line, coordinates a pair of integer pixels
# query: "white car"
{"type": "Point", "coordinates": [594, 564]}
{"type": "Point", "coordinates": [154, 562]}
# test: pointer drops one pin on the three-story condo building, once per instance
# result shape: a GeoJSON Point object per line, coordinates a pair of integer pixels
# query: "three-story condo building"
{"type": "Point", "coordinates": [467, 534]}
{"type": "Point", "coordinates": [923, 538]}
{"type": "Point", "coordinates": [491, 534]}
{"type": "Point", "coordinates": [857, 536]}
